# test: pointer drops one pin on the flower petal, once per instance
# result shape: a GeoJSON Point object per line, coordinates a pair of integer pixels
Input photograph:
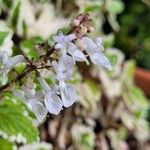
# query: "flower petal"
{"type": "Point", "coordinates": [100, 59]}
{"type": "Point", "coordinates": [70, 37]}
{"type": "Point", "coordinates": [58, 46]}
{"type": "Point", "coordinates": [98, 41]}
{"type": "Point", "coordinates": [89, 44]}
{"type": "Point", "coordinates": [3, 57]}
{"type": "Point", "coordinates": [66, 61]}
{"type": "Point", "coordinates": [53, 103]}
{"type": "Point", "coordinates": [58, 38]}
{"type": "Point", "coordinates": [44, 85]}
{"type": "Point", "coordinates": [40, 111]}
{"type": "Point", "coordinates": [79, 56]}
{"type": "Point", "coordinates": [29, 91]}
{"type": "Point", "coordinates": [63, 69]}
{"type": "Point", "coordinates": [68, 94]}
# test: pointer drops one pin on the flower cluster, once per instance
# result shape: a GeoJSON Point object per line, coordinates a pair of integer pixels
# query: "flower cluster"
{"type": "Point", "coordinates": [63, 94]}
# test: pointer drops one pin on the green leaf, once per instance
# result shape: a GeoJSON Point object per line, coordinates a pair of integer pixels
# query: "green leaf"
{"type": "Point", "coordinates": [64, 30]}
{"type": "Point", "coordinates": [115, 6]}
{"type": "Point", "coordinates": [3, 35]}
{"type": "Point", "coordinates": [37, 40]}
{"type": "Point", "coordinates": [15, 123]}
{"type": "Point", "coordinates": [6, 145]}
{"type": "Point", "coordinates": [15, 13]}
{"type": "Point", "coordinates": [20, 67]}
{"type": "Point", "coordinates": [27, 47]}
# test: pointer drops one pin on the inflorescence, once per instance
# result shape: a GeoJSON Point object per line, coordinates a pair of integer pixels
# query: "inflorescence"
{"type": "Point", "coordinates": [52, 99]}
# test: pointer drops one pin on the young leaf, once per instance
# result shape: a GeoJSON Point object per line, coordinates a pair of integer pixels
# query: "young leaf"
{"type": "Point", "coordinates": [27, 47]}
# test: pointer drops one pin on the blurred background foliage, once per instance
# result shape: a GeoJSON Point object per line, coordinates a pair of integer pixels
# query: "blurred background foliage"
{"type": "Point", "coordinates": [111, 112]}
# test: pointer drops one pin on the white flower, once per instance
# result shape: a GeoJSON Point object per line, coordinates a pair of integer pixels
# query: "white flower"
{"type": "Point", "coordinates": [67, 91]}
{"type": "Point", "coordinates": [66, 46]}
{"type": "Point", "coordinates": [98, 42]}
{"type": "Point", "coordinates": [7, 64]}
{"type": "Point", "coordinates": [63, 68]}
{"type": "Point", "coordinates": [68, 94]}
{"type": "Point", "coordinates": [33, 100]}
{"type": "Point", "coordinates": [76, 53]}
{"type": "Point", "coordinates": [94, 50]}
{"type": "Point", "coordinates": [51, 100]}
{"type": "Point", "coordinates": [63, 40]}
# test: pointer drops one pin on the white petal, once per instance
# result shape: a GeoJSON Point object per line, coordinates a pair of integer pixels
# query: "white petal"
{"type": "Point", "coordinates": [53, 103]}
{"type": "Point", "coordinates": [76, 53]}
{"type": "Point", "coordinates": [44, 85]}
{"type": "Point", "coordinates": [3, 76]}
{"type": "Point", "coordinates": [14, 60]}
{"type": "Point", "coordinates": [58, 38]}
{"type": "Point", "coordinates": [68, 95]}
{"type": "Point", "coordinates": [89, 44]}
{"type": "Point", "coordinates": [100, 59]}
{"type": "Point", "coordinates": [98, 41]}
{"type": "Point", "coordinates": [40, 111]}
{"type": "Point", "coordinates": [79, 56]}
{"type": "Point", "coordinates": [67, 61]}
{"type": "Point", "coordinates": [3, 57]}
{"type": "Point", "coordinates": [29, 91]}
{"type": "Point", "coordinates": [58, 46]}
{"type": "Point", "coordinates": [70, 37]}
{"type": "Point", "coordinates": [71, 48]}
{"type": "Point", "coordinates": [39, 96]}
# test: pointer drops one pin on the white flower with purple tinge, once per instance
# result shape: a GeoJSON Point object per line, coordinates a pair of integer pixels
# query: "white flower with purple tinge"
{"type": "Point", "coordinates": [63, 69]}
{"type": "Point", "coordinates": [67, 91]}
{"type": "Point", "coordinates": [34, 101]}
{"type": "Point", "coordinates": [94, 50]}
{"type": "Point", "coordinates": [62, 41]}
{"type": "Point", "coordinates": [52, 101]}
{"type": "Point", "coordinates": [66, 46]}
{"type": "Point", "coordinates": [7, 64]}
{"type": "Point", "coordinates": [76, 54]}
